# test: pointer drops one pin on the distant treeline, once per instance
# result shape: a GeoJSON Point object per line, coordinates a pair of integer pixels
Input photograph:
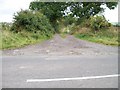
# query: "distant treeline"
{"type": "Point", "coordinates": [116, 24]}
{"type": "Point", "coordinates": [5, 25]}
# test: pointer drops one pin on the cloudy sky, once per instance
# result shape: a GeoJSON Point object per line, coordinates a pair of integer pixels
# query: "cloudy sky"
{"type": "Point", "coordinates": [9, 7]}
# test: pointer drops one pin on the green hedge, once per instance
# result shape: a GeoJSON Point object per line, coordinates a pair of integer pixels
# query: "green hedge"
{"type": "Point", "coordinates": [96, 23]}
{"type": "Point", "coordinates": [32, 21]}
{"type": "Point", "coordinates": [99, 22]}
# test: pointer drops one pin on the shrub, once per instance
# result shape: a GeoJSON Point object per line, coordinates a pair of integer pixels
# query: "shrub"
{"type": "Point", "coordinates": [98, 22]}
{"type": "Point", "coordinates": [32, 21]}
{"type": "Point", "coordinates": [69, 20]}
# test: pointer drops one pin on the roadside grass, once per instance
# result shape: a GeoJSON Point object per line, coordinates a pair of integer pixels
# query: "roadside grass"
{"type": "Point", "coordinates": [107, 37]}
{"type": "Point", "coordinates": [12, 40]}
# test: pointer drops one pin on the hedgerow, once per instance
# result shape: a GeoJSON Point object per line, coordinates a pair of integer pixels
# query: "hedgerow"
{"type": "Point", "coordinates": [32, 21]}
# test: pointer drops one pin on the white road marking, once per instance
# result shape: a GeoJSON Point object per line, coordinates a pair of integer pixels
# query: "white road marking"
{"type": "Point", "coordinates": [76, 78]}
{"type": "Point", "coordinates": [21, 67]}
{"type": "Point", "coordinates": [51, 58]}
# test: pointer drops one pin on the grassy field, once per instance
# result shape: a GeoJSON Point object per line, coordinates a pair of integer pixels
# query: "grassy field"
{"type": "Point", "coordinates": [15, 40]}
{"type": "Point", "coordinates": [107, 37]}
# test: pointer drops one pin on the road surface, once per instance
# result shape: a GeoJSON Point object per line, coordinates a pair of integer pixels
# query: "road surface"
{"type": "Point", "coordinates": [61, 63]}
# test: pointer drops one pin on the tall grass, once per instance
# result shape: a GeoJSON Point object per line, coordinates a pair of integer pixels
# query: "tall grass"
{"type": "Point", "coordinates": [107, 37]}
{"type": "Point", "coordinates": [16, 40]}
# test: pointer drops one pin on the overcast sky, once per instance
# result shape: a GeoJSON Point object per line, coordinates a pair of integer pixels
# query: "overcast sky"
{"type": "Point", "coordinates": [9, 7]}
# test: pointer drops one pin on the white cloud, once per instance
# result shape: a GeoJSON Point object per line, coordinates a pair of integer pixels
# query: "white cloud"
{"type": "Point", "coordinates": [9, 7]}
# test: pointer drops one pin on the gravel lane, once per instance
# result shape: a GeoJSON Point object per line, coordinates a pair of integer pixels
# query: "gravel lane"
{"type": "Point", "coordinates": [63, 46]}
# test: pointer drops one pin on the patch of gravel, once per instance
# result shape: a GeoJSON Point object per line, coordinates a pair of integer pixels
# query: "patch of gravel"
{"type": "Point", "coordinates": [63, 46]}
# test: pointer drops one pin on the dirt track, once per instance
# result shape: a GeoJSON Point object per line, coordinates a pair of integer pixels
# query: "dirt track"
{"type": "Point", "coordinates": [64, 46]}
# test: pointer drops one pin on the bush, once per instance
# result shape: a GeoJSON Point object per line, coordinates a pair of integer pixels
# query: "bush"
{"type": "Point", "coordinates": [69, 20]}
{"type": "Point", "coordinates": [32, 21]}
{"type": "Point", "coordinates": [67, 24]}
{"type": "Point", "coordinates": [98, 22]}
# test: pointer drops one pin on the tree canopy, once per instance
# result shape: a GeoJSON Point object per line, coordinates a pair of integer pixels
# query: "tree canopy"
{"type": "Point", "coordinates": [56, 10]}
{"type": "Point", "coordinates": [82, 10]}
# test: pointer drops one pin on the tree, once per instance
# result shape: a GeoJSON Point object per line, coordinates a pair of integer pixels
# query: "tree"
{"type": "Point", "coordinates": [83, 10]}
{"type": "Point", "coordinates": [53, 11]}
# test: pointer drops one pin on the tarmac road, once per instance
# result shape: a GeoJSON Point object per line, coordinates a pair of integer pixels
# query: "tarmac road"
{"type": "Point", "coordinates": [61, 63]}
{"type": "Point", "coordinates": [17, 71]}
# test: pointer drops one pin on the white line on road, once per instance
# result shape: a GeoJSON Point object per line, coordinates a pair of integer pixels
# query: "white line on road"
{"type": "Point", "coordinates": [76, 78]}
{"type": "Point", "coordinates": [51, 58]}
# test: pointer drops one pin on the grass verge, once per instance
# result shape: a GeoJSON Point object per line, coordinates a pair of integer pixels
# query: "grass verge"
{"type": "Point", "coordinates": [107, 37]}
{"type": "Point", "coordinates": [12, 40]}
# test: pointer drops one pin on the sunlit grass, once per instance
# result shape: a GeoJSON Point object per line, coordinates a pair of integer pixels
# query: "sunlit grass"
{"type": "Point", "coordinates": [16, 40]}
{"type": "Point", "coordinates": [107, 37]}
